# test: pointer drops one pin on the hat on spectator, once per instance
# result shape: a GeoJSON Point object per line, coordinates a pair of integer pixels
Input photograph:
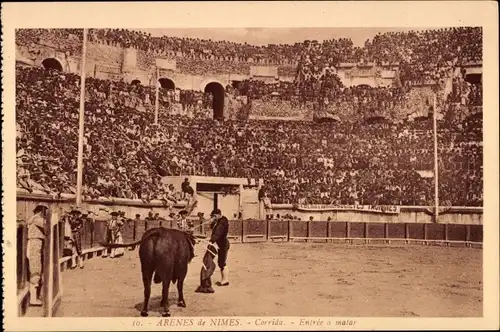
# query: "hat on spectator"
{"type": "Point", "coordinates": [214, 212]}
{"type": "Point", "coordinates": [183, 212]}
{"type": "Point", "coordinates": [40, 207]}
{"type": "Point", "coordinates": [114, 213]}
{"type": "Point", "coordinates": [137, 215]}
{"type": "Point", "coordinates": [74, 210]}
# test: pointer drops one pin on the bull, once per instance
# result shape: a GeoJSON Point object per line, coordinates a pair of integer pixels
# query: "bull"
{"type": "Point", "coordinates": [164, 253]}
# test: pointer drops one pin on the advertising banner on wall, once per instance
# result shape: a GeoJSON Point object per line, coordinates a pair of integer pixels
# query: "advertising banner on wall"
{"type": "Point", "coordinates": [387, 209]}
{"type": "Point", "coordinates": [264, 71]}
{"type": "Point", "coordinates": [166, 64]}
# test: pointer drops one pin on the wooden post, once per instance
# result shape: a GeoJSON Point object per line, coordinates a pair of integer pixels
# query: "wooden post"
{"type": "Point", "coordinates": [425, 233]}
{"type": "Point", "coordinates": [134, 231]}
{"type": "Point", "coordinates": [51, 269]}
{"type": "Point", "coordinates": [24, 264]}
{"type": "Point", "coordinates": [81, 121]}
{"type": "Point", "coordinates": [268, 233]}
{"type": "Point", "coordinates": [467, 235]}
{"type": "Point", "coordinates": [308, 234]}
{"type": "Point", "coordinates": [289, 229]}
{"type": "Point", "coordinates": [367, 235]}
{"type": "Point", "coordinates": [348, 230]}
{"type": "Point", "coordinates": [60, 226]}
{"type": "Point", "coordinates": [45, 289]}
{"type": "Point", "coordinates": [407, 232]}
{"type": "Point", "coordinates": [328, 223]}
{"type": "Point", "coordinates": [446, 234]}
{"type": "Point", "coordinates": [386, 233]}
{"type": "Point", "coordinates": [157, 94]}
{"type": "Point", "coordinates": [92, 233]}
{"type": "Point", "coordinates": [242, 231]}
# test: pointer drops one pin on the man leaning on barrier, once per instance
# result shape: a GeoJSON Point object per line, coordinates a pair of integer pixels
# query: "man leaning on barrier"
{"type": "Point", "coordinates": [184, 224]}
{"type": "Point", "coordinates": [36, 239]}
{"type": "Point", "coordinates": [76, 222]}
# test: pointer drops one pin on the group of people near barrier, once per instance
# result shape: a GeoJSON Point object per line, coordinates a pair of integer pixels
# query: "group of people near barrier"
{"type": "Point", "coordinates": [74, 222]}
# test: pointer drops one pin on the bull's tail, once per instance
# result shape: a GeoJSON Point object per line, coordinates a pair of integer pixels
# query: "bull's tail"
{"type": "Point", "coordinates": [125, 245]}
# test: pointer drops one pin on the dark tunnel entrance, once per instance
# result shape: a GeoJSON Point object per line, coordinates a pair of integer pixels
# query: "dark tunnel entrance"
{"type": "Point", "coordinates": [474, 78]}
{"type": "Point", "coordinates": [167, 83]}
{"type": "Point", "coordinates": [52, 63]}
{"type": "Point", "coordinates": [218, 93]}
{"type": "Point", "coordinates": [236, 84]}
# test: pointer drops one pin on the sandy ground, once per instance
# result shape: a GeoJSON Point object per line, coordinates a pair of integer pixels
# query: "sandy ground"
{"type": "Point", "coordinates": [295, 279]}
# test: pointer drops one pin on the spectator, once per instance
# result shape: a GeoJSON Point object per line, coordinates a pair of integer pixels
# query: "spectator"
{"type": "Point", "coordinates": [36, 243]}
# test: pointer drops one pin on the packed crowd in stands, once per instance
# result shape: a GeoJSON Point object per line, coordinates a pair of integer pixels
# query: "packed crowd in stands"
{"type": "Point", "coordinates": [126, 155]}
{"type": "Point", "coordinates": [421, 54]}
{"type": "Point", "coordinates": [344, 161]}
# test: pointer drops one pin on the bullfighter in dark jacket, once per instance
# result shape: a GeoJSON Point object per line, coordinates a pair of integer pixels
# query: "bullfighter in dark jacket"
{"type": "Point", "coordinates": [220, 228]}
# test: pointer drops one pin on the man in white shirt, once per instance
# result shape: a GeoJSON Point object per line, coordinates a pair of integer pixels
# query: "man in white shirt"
{"type": "Point", "coordinates": [184, 224]}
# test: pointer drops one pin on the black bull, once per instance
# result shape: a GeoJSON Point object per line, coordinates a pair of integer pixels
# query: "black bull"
{"type": "Point", "coordinates": [165, 253]}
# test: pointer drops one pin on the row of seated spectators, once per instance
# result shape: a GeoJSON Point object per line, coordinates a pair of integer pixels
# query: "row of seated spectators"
{"type": "Point", "coordinates": [422, 54]}
{"type": "Point", "coordinates": [357, 102]}
{"type": "Point", "coordinates": [126, 155]}
{"type": "Point", "coordinates": [119, 93]}
{"type": "Point", "coordinates": [466, 93]}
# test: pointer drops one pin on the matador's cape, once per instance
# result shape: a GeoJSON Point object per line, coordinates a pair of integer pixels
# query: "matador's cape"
{"type": "Point", "coordinates": [207, 270]}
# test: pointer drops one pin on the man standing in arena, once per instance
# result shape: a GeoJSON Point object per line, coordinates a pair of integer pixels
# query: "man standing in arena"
{"type": "Point", "coordinates": [186, 188]}
{"type": "Point", "coordinates": [36, 240]}
{"type": "Point", "coordinates": [220, 228]}
{"type": "Point", "coordinates": [76, 223]}
{"type": "Point", "coordinates": [184, 224]}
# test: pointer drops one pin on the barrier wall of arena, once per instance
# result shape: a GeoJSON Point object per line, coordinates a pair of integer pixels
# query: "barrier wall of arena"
{"type": "Point", "coordinates": [350, 230]}
{"type": "Point", "coordinates": [407, 214]}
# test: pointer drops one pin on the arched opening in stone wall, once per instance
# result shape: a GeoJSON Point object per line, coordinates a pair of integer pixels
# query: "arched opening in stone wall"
{"type": "Point", "coordinates": [363, 86]}
{"type": "Point", "coordinates": [473, 78]}
{"type": "Point", "coordinates": [474, 119]}
{"type": "Point", "coordinates": [236, 84]}
{"type": "Point", "coordinates": [167, 83]}
{"type": "Point", "coordinates": [52, 63]}
{"type": "Point", "coordinates": [376, 119]}
{"type": "Point", "coordinates": [218, 93]}
{"type": "Point", "coordinates": [135, 82]}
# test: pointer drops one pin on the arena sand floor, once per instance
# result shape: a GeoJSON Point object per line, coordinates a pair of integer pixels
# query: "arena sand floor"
{"type": "Point", "coordinates": [295, 279]}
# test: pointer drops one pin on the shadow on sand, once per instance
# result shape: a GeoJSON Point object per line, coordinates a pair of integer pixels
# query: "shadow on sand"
{"type": "Point", "coordinates": [154, 302]}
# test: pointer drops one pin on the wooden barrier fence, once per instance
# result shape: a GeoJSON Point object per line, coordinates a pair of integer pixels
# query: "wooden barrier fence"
{"type": "Point", "coordinates": [367, 232]}
{"type": "Point", "coordinates": [246, 231]}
